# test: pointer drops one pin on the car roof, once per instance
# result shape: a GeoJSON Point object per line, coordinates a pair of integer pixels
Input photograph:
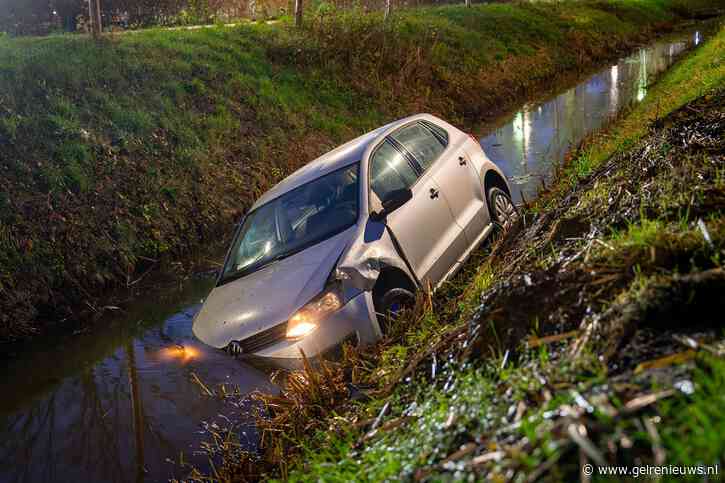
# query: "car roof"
{"type": "Point", "coordinates": [349, 153]}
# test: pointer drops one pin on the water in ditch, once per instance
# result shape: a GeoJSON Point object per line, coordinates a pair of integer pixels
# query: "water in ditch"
{"type": "Point", "coordinates": [530, 143]}
{"type": "Point", "coordinates": [122, 403]}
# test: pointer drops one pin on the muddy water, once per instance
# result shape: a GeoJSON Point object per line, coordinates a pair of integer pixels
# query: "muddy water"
{"type": "Point", "coordinates": [120, 404]}
{"type": "Point", "coordinates": [530, 143]}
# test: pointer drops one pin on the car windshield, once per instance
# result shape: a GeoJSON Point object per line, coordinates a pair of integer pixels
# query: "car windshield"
{"type": "Point", "coordinates": [302, 217]}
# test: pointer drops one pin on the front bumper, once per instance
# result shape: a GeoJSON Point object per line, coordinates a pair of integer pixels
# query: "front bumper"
{"type": "Point", "coordinates": [354, 321]}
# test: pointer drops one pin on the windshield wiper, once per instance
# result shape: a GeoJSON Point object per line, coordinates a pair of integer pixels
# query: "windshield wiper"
{"type": "Point", "coordinates": [258, 266]}
{"type": "Point", "coordinates": [280, 256]}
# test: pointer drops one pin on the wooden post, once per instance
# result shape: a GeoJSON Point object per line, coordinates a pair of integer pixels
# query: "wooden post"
{"type": "Point", "coordinates": [253, 10]}
{"type": "Point", "coordinates": [298, 13]}
{"type": "Point", "coordinates": [387, 10]}
{"type": "Point", "coordinates": [94, 14]}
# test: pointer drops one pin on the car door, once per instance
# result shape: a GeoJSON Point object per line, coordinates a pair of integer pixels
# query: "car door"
{"type": "Point", "coordinates": [452, 169]}
{"type": "Point", "coordinates": [424, 227]}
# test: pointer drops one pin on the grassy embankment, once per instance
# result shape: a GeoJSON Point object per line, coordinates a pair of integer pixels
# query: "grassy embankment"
{"type": "Point", "coordinates": [143, 147]}
{"type": "Point", "coordinates": [592, 334]}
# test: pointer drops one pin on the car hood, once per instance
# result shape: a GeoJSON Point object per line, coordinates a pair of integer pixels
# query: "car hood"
{"type": "Point", "coordinates": [269, 296]}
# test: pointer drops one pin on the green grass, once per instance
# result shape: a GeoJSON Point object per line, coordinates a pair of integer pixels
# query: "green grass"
{"type": "Point", "coordinates": [149, 144]}
{"type": "Point", "coordinates": [694, 429]}
{"type": "Point", "coordinates": [464, 405]}
{"type": "Point", "coordinates": [397, 454]}
{"type": "Point", "coordinates": [474, 404]}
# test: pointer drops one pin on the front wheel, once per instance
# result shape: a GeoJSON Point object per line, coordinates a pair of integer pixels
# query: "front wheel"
{"type": "Point", "coordinates": [503, 210]}
{"type": "Point", "coordinates": [391, 304]}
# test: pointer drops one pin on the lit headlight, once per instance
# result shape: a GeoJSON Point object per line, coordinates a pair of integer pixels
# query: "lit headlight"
{"type": "Point", "coordinates": [304, 321]}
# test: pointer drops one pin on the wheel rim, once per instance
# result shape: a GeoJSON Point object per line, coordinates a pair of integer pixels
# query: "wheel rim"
{"type": "Point", "coordinates": [395, 308]}
{"type": "Point", "coordinates": [505, 211]}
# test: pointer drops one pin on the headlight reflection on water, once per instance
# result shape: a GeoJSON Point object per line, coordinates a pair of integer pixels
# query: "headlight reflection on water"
{"type": "Point", "coordinates": [180, 353]}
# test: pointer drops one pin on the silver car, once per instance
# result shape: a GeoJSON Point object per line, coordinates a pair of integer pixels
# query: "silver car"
{"type": "Point", "coordinates": [326, 255]}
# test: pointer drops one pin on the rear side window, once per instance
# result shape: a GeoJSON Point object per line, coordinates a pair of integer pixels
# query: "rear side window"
{"type": "Point", "coordinates": [421, 143]}
{"type": "Point", "coordinates": [390, 171]}
{"type": "Point", "coordinates": [439, 132]}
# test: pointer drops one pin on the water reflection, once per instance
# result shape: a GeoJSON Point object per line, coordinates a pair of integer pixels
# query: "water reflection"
{"type": "Point", "coordinates": [180, 353]}
{"type": "Point", "coordinates": [118, 405]}
{"type": "Point", "coordinates": [535, 139]}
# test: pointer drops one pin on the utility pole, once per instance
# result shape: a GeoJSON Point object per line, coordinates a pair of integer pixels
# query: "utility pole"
{"type": "Point", "coordinates": [94, 14]}
{"type": "Point", "coordinates": [298, 13]}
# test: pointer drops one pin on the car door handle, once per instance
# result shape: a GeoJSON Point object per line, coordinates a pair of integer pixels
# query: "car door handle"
{"type": "Point", "coordinates": [433, 193]}
{"type": "Point", "coordinates": [461, 160]}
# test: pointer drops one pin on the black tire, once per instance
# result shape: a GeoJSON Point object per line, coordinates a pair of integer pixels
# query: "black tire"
{"type": "Point", "coordinates": [391, 304]}
{"type": "Point", "coordinates": [503, 210]}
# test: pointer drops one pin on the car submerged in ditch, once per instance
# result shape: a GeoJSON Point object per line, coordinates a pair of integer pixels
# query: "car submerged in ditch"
{"type": "Point", "coordinates": [329, 253]}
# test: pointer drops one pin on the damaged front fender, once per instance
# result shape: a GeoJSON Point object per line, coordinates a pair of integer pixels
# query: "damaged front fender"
{"type": "Point", "coordinates": [370, 252]}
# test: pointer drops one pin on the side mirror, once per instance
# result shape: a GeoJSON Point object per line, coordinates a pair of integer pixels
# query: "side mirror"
{"type": "Point", "coordinates": [393, 201]}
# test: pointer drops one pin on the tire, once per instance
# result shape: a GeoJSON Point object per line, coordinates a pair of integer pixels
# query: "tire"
{"type": "Point", "coordinates": [503, 210]}
{"type": "Point", "coordinates": [391, 304]}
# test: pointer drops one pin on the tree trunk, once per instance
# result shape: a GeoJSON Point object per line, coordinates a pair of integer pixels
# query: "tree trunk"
{"type": "Point", "coordinates": [298, 13]}
{"type": "Point", "coordinates": [94, 14]}
{"type": "Point", "coordinates": [468, 3]}
{"type": "Point", "coordinates": [387, 9]}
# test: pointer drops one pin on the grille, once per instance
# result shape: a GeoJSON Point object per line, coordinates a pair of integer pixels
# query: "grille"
{"type": "Point", "coordinates": [263, 339]}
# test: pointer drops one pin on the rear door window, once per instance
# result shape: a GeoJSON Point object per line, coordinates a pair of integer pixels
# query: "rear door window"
{"type": "Point", "coordinates": [390, 170]}
{"type": "Point", "coordinates": [438, 131]}
{"type": "Point", "coordinates": [420, 141]}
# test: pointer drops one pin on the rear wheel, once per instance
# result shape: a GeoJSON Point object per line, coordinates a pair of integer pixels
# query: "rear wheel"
{"type": "Point", "coordinates": [392, 304]}
{"type": "Point", "coordinates": [503, 210]}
